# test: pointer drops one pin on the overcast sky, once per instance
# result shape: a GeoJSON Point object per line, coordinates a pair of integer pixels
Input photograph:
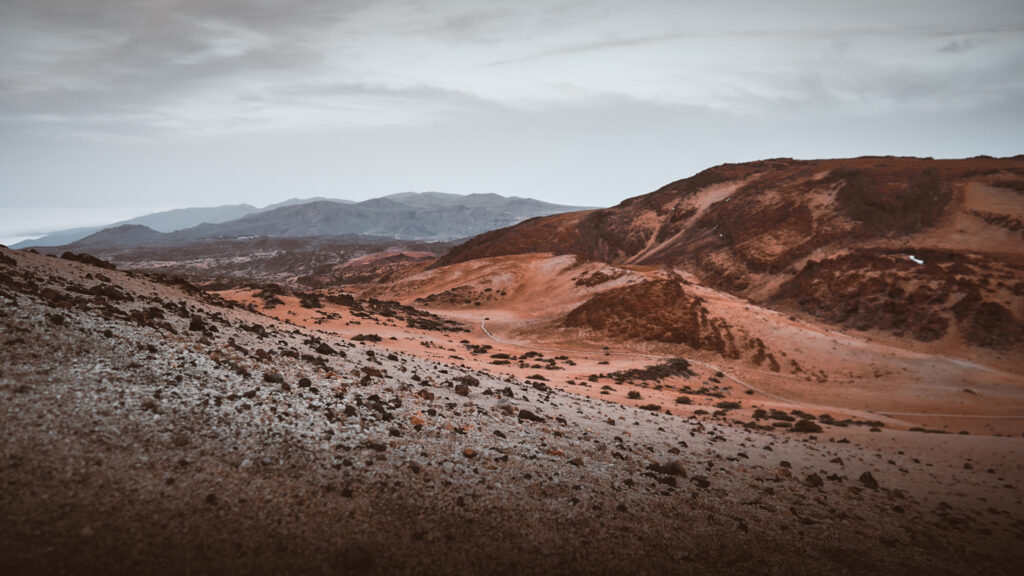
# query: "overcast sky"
{"type": "Point", "coordinates": [129, 106]}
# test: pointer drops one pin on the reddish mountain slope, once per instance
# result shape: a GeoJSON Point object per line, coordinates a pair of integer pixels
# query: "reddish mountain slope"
{"type": "Point", "coordinates": [926, 248]}
{"type": "Point", "coordinates": [658, 310]}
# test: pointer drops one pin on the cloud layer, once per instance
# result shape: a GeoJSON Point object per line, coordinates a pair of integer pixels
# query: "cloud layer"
{"type": "Point", "coordinates": [198, 67]}
{"type": "Point", "coordinates": [459, 95]}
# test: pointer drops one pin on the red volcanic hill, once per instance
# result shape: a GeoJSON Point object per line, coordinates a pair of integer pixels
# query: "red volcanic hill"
{"type": "Point", "coordinates": [918, 247]}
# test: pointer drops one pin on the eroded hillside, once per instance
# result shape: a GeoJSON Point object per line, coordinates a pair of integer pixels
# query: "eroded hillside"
{"type": "Point", "coordinates": [917, 247]}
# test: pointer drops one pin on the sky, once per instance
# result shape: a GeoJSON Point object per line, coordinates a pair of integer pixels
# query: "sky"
{"type": "Point", "coordinates": [122, 107]}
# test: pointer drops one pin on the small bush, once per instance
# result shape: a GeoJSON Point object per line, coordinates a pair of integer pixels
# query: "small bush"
{"type": "Point", "coordinates": [806, 426]}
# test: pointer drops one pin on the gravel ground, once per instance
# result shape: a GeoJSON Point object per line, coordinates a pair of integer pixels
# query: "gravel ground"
{"type": "Point", "coordinates": [150, 428]}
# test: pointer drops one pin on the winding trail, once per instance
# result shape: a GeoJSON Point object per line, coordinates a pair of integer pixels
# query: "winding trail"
{"type": "Point", "coordinates": [483, 326]}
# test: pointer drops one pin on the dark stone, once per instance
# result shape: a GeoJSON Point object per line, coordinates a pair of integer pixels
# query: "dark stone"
{"type": "Point", "coordinates": [109, 291]}
{"type": "Point", "coordinates": [670, 468]}
{"type": "Point", "coordinates": [88, 259]}
{"type": "Point", "coordinates": [869, 481]}
{"type": "Point", "coordinates": [273, 377]}
{"type": "Point", "coordinates": [370, 371]}
{"type": "Point", "coordinates": [527, 415]}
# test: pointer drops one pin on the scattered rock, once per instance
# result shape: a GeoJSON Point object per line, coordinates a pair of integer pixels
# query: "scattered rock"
{"type": "Point", "coordinates": [88, 259]}
{"type": "Point", "coordinates": [505, 405]}
{"type": "Point", "coordinates": [670, 468]}
{"type": "Point", "coordinates": [371, 371]}
{"type": "Point", "coordinates": [527, 415]}
{"type": "Point", "coordinates": [869, 481]}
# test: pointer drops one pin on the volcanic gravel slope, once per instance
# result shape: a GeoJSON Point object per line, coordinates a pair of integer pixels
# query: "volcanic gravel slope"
{"type": "Point", "coordinates": [151, 428]}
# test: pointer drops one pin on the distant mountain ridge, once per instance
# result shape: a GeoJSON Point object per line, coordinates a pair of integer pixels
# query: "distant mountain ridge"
{"type": "Point", "coordinates": [426, 216]}
{"type": "Point", "coordinates": [167, 221]}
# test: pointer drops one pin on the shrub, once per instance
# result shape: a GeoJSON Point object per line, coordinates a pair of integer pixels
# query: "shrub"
{"type": "Point", "coordinates": [806, 426]}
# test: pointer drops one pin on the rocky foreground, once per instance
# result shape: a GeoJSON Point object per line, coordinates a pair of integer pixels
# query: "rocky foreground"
{"type": "Point", "coordinates": [148, 427]}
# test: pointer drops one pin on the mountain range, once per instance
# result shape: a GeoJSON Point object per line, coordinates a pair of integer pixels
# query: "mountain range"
{"type": "Point", "coordinates": [430, 216]}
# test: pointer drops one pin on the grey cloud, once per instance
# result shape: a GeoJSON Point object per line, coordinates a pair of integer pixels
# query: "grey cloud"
{"type": "Point", "coordinates": [104, 63]}
{"type": "Point", "coordinates": [160, 68]}
{"type": "Point", "coordinates": [957, 46]}
{"type": "Point", "coordinates": [477, 25]}
{"type": "Point", "coordinates": [725, 36]}
{"type": "Point", "coordinates": [584, 47]}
